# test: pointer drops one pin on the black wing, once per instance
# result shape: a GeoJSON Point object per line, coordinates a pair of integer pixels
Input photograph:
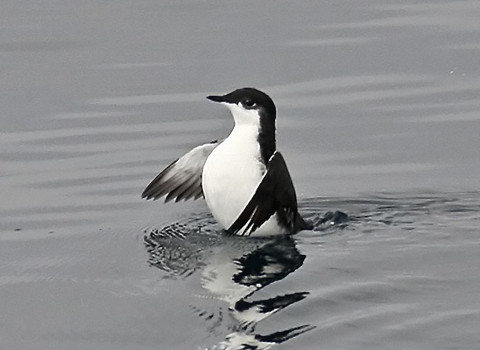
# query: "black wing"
{"type": "Point", "coordinates": [274, 194]}
{"type": "Point", "coordinates": [182, 179]}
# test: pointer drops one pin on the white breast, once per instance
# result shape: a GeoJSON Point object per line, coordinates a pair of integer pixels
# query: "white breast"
{"type": "Point", "coordinates": [232, 173]}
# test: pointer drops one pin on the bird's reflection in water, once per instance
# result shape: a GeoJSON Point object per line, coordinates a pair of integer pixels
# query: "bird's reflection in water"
{"type": "Point", "coordinates": [233, 269]}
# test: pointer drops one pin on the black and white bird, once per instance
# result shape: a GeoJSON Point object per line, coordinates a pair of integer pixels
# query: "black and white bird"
{"type": "Point", "coordinates": [244, 179]}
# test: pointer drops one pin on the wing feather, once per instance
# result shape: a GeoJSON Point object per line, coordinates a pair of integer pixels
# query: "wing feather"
{"type": "Point", "coordinates": [182, 179]}
{"type": "Point", "coordinates": [274, 195]}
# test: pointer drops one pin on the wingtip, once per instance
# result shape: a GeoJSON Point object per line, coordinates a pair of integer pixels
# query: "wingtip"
{"type": "Point", "coordinates": [146, 195]}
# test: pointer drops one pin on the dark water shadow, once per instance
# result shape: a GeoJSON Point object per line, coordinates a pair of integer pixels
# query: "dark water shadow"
{"type": "Point", "coordinates": [239, 272]}
{"type": "Point", "coordinates": [233, 270]}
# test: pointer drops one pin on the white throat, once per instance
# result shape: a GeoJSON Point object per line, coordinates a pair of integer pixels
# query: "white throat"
{"type": "Point", "coordinates": [243, 116]}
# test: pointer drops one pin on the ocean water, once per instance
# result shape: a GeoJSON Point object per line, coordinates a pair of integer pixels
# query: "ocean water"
{"type": "Point", "coordinates": [378, 118]}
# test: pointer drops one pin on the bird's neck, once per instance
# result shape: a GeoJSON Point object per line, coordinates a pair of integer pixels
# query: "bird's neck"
{"type": "Point", "coordinates": [267, 139]}
{"type": "Point", "coordinates": [243, 135]}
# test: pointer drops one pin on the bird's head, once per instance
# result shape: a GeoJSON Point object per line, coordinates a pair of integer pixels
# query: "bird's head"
{"type": "Point", "coordinates": [248, 106]}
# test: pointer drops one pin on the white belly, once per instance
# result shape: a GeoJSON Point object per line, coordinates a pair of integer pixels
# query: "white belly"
{"type": "Point", "coordinates": [231, 175]}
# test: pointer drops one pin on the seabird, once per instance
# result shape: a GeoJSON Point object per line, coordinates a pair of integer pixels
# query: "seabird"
{"type": "Point", "coordinates": [244, 179]}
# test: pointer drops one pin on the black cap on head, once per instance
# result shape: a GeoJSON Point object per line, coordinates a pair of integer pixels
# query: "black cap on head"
{"type": "Point", "coordinates": [249, 98]}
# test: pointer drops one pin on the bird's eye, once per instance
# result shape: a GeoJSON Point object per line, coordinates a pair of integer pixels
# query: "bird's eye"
{"type": "Point", "coordinates": [248, 103]}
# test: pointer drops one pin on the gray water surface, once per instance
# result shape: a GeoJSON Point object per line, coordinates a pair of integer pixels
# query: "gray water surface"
{"type": "Point", "coordinates": [378, 117]}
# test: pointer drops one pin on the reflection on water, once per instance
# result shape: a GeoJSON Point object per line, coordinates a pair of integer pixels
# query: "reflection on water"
{"type": "Point", "coordinates": [233, 270]}
{"type": "Point", "coordinates": [373, 266]}
{"type": "Point", "coordinates": [394, 270]}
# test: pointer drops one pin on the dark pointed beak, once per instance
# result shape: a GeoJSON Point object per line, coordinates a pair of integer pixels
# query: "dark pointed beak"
{"type": "Point", "coordinates": [216, 98]}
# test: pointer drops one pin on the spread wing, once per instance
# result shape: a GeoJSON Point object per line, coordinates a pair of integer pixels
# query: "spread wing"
{"type": "Point", "coordinates": [182, 179]}
{"type": "Point", "coordinates": [274, 194]}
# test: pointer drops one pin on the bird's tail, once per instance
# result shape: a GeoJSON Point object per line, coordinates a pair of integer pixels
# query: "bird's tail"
{"type": "Point", "coordinates": [302, 224]}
